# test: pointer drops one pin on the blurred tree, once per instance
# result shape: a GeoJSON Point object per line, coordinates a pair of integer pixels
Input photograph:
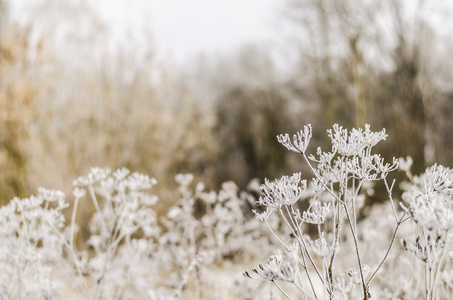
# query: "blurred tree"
{"type": "Point", "coordinates": [367, 62]}
{"type": "Point", "coordinates": [403, 107]}
{"type": "Point", "coordinates": [404, 95]}
{"type": "Point", "coordinates": [248, 122]}
{"type": "Point", "coordinates": [101, 102]}
{"type": "Point", "coordinates": [3, 14]}
{"type": "Point", "coordinates": [333, 37]}
{"type": "Point", "coordinates": [252, 107]}
{"type": "Point", "coordinates": [17, 93]}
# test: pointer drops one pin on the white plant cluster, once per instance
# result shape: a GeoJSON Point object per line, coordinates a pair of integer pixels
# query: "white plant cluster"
{"type": "Point", "coordinates": [326, 243]}
{"type": "Point", "coordinates": [127, 254]}
{"type": "Point", "coordinates": [429, 197]}
{"type": "Point", "coordinates": [123, 208]}
{"type": "Point", "coordinates": [329, 235]}
{"type": "Point", "coordinates": [202, 228]}
{"type": "Point", "coordinates": [31, 246]}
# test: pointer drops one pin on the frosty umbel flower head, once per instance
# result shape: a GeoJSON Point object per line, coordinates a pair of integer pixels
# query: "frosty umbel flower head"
{"type": "Point", "coordinates": [317, 214]}
{"type": "Point", "coordinates": [300, 140]}
{"type": "Point", "coordinates": [96, 174]}
{"type": "Point", "coordinates": [276, 269]}
{"type": "Point", "coordinates": [356, 141]}
{"type": "Point", "coordinates": [284, 191]}
{"type": "Point", "coordinates": [320, 246]}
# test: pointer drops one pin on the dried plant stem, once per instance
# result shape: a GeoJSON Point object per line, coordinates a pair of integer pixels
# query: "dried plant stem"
{"type": "Point", "coordinates": [332, 258]}
{"type": "Point", "coordinates": [281, 290]}
{"type": "Point", "coordinates": [96, 206]}
{"type": "Point", "coordinates": [307, 272]}
{"type": "Point", "coordinates": [185, 277]}
{"type": "Point", "coordinates": [300, 286]}
{"type": "Point", "coordinates": [389, 191]}
{"type": "Point", "coordinates": [401, 220]}
{"type": "Point", "coordinates": [276, 236]}
{"type": "Point", "coordinates": [354, 236]}
{"type": "Point", "coordinates": [74, 211]}
{"type": "Point", "coordinates": [74, 257]}
{"type": "Point", "coordinates": [320, 179]}
{"type": "Point", "coordinates": [301, 240]}
{"type": "Point", "coordinates": [356, 246]}
{"type": "Point", "coordinates": [297, 226]}
{"type": "Point", "coordinates": [433, 265]}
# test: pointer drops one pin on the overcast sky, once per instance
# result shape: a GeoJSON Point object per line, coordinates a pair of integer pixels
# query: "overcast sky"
{"type": "Point", "coordinates": [183, 28]}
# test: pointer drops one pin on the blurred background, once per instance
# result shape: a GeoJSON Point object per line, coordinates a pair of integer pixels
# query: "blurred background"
{"type": "Point", "coordinates": [204, 87]}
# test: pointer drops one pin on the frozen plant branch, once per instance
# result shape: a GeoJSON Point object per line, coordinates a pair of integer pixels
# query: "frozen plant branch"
{"type": "Point", "coordinates": [340, 173]}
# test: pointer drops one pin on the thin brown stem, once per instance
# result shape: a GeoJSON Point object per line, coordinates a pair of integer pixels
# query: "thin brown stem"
{"type": "Point", "coordinates": [302, 242]}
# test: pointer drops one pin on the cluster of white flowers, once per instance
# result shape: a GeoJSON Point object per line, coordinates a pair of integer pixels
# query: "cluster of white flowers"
{"type": "Point", "coordinates": [430, 200]}
{"type": "Point", "coordinates": [284, 191]}
{"type": "Point", "coordinates": [300, 140]}
{"type": "Point", "coordinates": [123, 208]}
{"type": "Point", "coordinates": [356, 141]}
{"type": "Point", "coordinates": [342, 180]}
{"type": "Point", "coordinates": [31, 246]}
{"type": "Point", "coordinates": [277, 268]}
{"type": "Point", "coordinates": [429, 197]}
{"type": "Point", "coordinates": [96, 174]}
{"type": "Point", "coordinates": [203, 221]}
{"type": "Point", "coordinates": [129, 256]}
{"type": "Point", "coordinates": [351, 156]}
{"type": "Point", "coordinates": [318, 214]}
{"type": "Point", "coordinates": [331, 246]}
{"type": "Point", "coordinates": [320, 247]}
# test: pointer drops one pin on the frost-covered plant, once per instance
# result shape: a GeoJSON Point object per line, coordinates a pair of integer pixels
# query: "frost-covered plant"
{"type": "Point", "coordinates": [39, 257]}
{"type": "Point", "coordinates": [342, 177]}
{"type": "Point", "coordinates": [31, 247]}
{"type": "Point", "coordinates": [125, 253]}
{"type": "Point", "coordinates": [429, 197]}
{"type": "Point", "coordinates": [123, 230]}
{"type": "Point", "coordinates": [201, 229]}
{"type": "Point", "coordinates": [331, 245]}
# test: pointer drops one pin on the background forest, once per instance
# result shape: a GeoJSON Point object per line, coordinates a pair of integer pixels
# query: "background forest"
{"type": "Point", "coordinates": [71, 98]}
